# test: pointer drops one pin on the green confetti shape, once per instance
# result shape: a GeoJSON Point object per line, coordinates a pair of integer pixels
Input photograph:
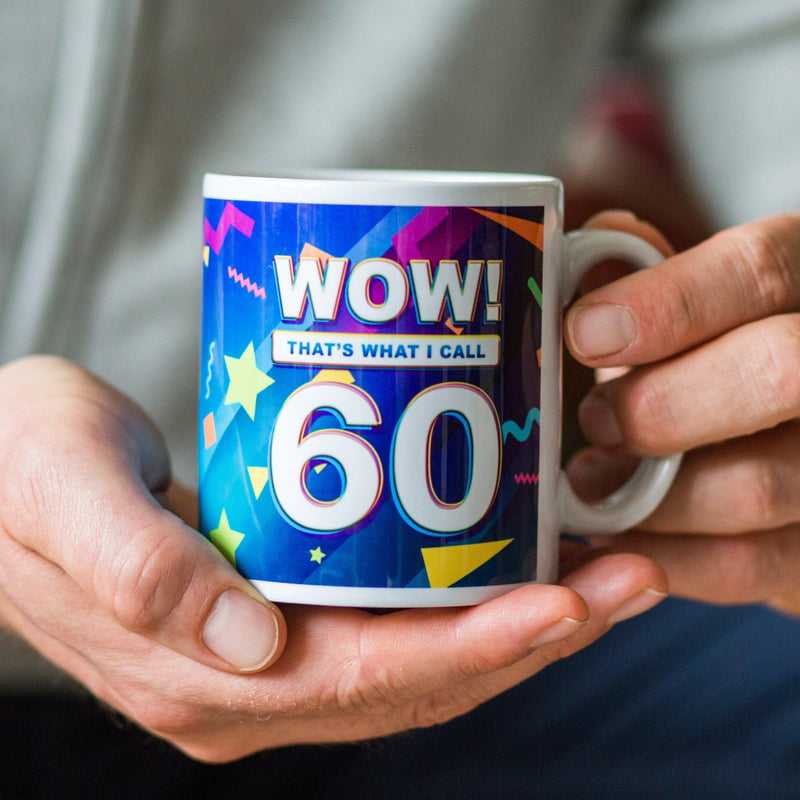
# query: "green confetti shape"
{"type": "Point", "coordinates": [535, 291]}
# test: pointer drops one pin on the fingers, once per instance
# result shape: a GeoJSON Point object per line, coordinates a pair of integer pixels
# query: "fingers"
{"type": "Point", "coordinates": [80, 496]}
{"type": "Point", "coordinates": [614, 587]}
{"type": "Point", "coordinates": [741, 485]}
{"type": "Point", "coordinates": [485, 640]}
{"type": "Point", "coordinates": [345, 674]}
{"type": "Point", "coordinates": [619, 587]}
{"type": "Point", "coordinates": [595, 474]}
{"type": "Point", "coordinates": [381, 674]}
{"type": "Point", "coordinates": [392, 655]}
{"type": "Point", "coordinates": [715, 334]}
{"type": "Point", "coordinates": [744, 381]}
{"type": "Point", "coordinates": [759, 567]}
{"type": "Point", "coordinates": [738, 276]}
{"type": "Point", "coordinates": [395, 662]}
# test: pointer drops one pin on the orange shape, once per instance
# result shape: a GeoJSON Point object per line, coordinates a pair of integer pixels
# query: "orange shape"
{"type": "Point", "coordinates": [309, 251]}
{"type": "Point", "coordinates": [532, 232]}
{"type": "Point", "coordinates": [449, 324]}
{"type": "Point", "coordinates": [209, 430]}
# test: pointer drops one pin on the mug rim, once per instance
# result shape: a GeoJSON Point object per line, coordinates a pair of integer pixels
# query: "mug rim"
{"type": "Point", "coordinates": [382, 186]}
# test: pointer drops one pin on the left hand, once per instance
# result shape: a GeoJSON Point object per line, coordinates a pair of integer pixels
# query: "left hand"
{"type": "Point", "coordinates": [715, 335]}
{"type": "Point", "coordinates": [141, 609]}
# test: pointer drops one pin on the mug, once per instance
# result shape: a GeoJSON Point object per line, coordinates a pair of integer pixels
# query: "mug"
{"type": "Point", "coordinates": [380, 389]}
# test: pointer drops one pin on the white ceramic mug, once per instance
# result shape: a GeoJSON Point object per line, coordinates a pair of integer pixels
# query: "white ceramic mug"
{"type": "Point", "coordinates": [380, 397]}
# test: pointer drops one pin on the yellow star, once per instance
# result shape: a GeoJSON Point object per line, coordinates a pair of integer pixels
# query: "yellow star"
{"type": "Point", "coordinates": [247, 380]}
{"type": "Point", "coordinates": [225, 539]}
{"type": "Point", "coordinates": [317, 555]}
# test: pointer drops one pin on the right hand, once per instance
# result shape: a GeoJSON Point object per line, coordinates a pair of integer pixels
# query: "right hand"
{"type": "Point", "coordinates": [134, 603]}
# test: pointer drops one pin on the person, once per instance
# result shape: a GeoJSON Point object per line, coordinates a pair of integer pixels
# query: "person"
{"type": "Point", "coordinates": [112, 112]}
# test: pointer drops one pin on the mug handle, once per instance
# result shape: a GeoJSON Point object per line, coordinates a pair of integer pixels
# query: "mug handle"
{"type": "Point", "coordinates": [646, 488]}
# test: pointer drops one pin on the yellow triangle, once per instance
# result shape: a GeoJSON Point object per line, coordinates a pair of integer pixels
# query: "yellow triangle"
{"type": "Point", "coordinates": [447, 565]}
{"type": "Point", "coordinates": [334, 376]}
{"type": "Point", "coordinates": [258, 477]}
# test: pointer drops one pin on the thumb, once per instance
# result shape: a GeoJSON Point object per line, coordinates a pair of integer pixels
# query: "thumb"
{"type": "Point", "coordinates": [169, 583]}
{"type": "Point", "coordinates": [81, 494]}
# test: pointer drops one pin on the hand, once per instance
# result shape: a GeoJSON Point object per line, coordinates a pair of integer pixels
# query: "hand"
{"type": "Point", "coordinates": [715, 335]}
{"type": "Point", "coordinates": [139, 607]}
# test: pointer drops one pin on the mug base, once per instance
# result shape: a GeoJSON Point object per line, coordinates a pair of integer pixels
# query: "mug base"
{"type": "Point", "coordinates": [378, 597]}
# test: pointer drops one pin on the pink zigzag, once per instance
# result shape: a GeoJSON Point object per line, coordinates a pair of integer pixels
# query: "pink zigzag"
{"type": "Point", "coordinates": [231, 218]}
{"type": "Point", "coordinates": [526, 477]}
{"type": "Point", "coordinates": [246, 283]}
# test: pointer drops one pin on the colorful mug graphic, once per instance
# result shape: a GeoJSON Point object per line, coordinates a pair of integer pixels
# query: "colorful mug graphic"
{"type": "Point", "coordinates": [375, 427]}
{"type": "Point", "coordinates": [369, 399]}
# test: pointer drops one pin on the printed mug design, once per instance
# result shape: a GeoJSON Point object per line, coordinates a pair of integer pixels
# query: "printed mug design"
{"type": "Point", "coordinates": [369, 392]}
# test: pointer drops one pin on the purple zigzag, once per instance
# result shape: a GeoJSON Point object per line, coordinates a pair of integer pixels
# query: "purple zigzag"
{"type": "Point", "coordinates": [407, 240]}
{"type": "Point", "coordinates": [246, 283]}
{"type": "Point", "coordinates": [231, 218]}
{"type": "Point", "coordinates": [434, 232]}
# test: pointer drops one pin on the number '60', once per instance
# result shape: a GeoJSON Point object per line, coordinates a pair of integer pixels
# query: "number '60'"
{"type": "Point", "coordinates": [293, 446]}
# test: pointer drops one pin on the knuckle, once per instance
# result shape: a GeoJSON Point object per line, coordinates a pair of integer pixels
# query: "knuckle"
{"type": "Point", "coordinates": [679, 309]}
{"type": "Point", "coordinates": [43, 479]}
{"type": "Point", "coordinates": [149, 579]}
{"type": "Point", "coordinates": [556, 651]}
{"type": "Point", "coordinates": [37, 498]}
{"type": "Point", "coordinates": [461, 696]}
{"type": "Point", "coordinates": [436, 709]}
{"type": "Point", "coordinates": [738, 561]}
{"type": "Point", "coordinates": [762, 502]}
{"type": "Point", "coordinates": [645, 414]}
{"type": "Point", "coordinates": [780, 375]}
{"type": "Point", "coordinates": [772, 277]}
{"type": "Point", "coordinates": [365, 689]}
{"type": "Point", "coordinates": [28, 492]}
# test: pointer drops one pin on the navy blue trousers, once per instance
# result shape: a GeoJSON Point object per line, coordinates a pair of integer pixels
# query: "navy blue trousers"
{"type": "Point", "coordinates": [687, 701]}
